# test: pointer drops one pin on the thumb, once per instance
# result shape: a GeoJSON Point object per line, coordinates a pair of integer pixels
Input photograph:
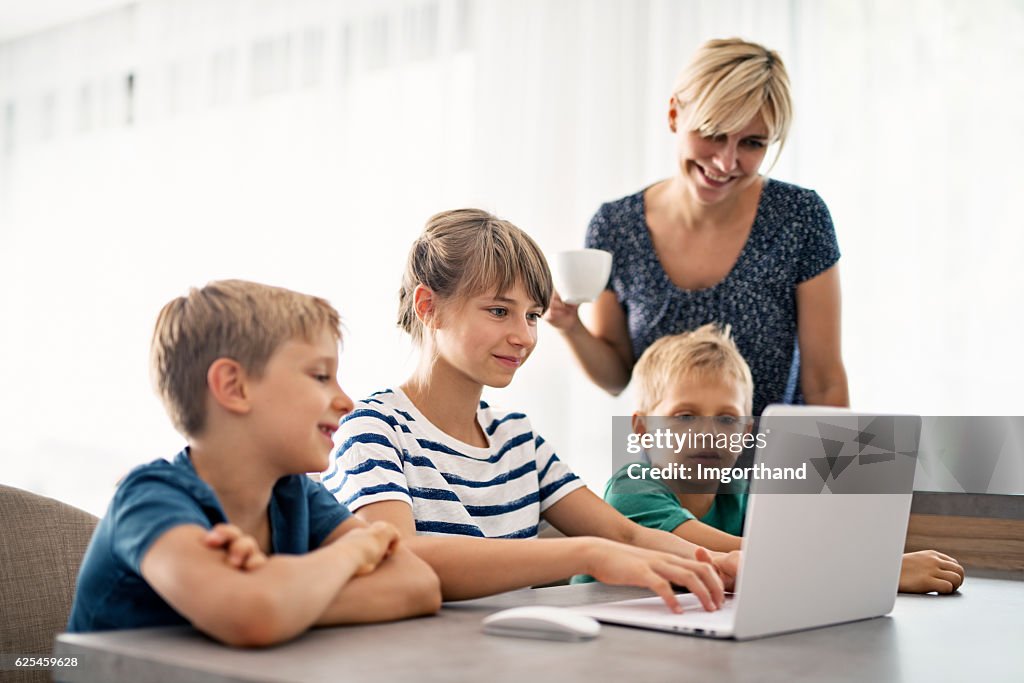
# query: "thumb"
{"type": "Point", "coordinates": [701, 554]}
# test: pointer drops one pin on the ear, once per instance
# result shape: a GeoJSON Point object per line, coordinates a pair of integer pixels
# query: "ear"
{"type": "Point", "coordinates": [228, 384]}
{"type": "Point", "coordinates": [673, 113]}
{"type": "Point", "coordinates": [424, 304]}
{"type": "Point", "coordinates": [639, 424]}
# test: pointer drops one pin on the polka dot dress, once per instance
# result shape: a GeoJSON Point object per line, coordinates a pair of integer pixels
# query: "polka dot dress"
{"type": "Point", "coordinates": [791, 241]}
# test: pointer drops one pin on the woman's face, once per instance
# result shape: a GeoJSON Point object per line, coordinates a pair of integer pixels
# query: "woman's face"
{"type": "Point", "coordinates": [719, 167]}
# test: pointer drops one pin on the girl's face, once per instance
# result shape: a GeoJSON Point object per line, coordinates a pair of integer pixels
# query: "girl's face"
{"type": "Point", "coordinates": [488, 337]}
{"type": "Point", "coordinates": [716, 168]}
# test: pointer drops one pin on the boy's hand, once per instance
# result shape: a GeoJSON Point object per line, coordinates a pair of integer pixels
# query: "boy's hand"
{"type": "Point", "coordinates": [562, 316]}
{"type": "Point", "coordinates": [928, 571]}
{"type": "Point", "coordinates": [370, 544]}
{"type": "Point", "coordinates": [243, 552]}
{"type": "Point", "coordinates": [727, 564]}
{"type": "Point", "coordinates": [623, 565]}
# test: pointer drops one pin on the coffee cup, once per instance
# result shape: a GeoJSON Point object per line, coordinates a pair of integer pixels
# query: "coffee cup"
{"type": "Point", "coordinates": [581, 275]}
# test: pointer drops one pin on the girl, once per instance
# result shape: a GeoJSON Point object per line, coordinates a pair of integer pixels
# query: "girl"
{"type": "Point", "coordinates": [467, 485]}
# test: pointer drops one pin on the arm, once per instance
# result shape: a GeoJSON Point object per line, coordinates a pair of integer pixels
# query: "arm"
{"type": "Point", "coordinates": [471, 567]}
{"type": "Point", "coordinates": [402, 586]}
{"type": "Point", "coordinates": [582, 512]}
{"type": "Point", "coordinates": [606, 352]}
{"type": "Point", "coordinates": [696, 531]}
{"type": "Point", "coordinates": [822, 375]}
{"type": "Point", "coordinates": [270, 604]}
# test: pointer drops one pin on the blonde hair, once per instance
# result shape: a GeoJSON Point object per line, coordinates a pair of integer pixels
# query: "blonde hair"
{"type": "Point", "coordinates": [465, 252]}
{"type": "Point", "coordinates": [708, 351]}
{"type": "Point", "coordinates": [730, 81]}
{"type": "Point", "coordinates": [244, 321]}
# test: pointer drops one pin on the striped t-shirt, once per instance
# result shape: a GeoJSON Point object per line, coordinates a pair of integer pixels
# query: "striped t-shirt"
{"type": "Point", "coordinates": [386, 449]}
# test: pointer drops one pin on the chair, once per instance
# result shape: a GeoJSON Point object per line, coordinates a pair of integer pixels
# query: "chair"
{"type": "Point", "coordinates": [41, 548]}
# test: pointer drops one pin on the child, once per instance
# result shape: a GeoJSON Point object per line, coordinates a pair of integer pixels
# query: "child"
{"type": "Point", "coordinates": [697, 375]}
{"type": "Point", "coordinates": [231, 535]}
{"type": "Point", "coordinates": [433, 459]}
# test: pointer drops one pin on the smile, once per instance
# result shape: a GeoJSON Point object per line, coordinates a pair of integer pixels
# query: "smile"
{"type": "Point", "coordinates": [327, 430]}
{"type": "Point", "coordinates": [509, 361]}
{"type": "Point", "coordinates": [712, 179]}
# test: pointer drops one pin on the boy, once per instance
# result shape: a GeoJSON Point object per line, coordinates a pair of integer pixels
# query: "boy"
{"type": "Point", "coordinates": [232, 536]}
{"type": "Point", "coordinates": [700, 379]}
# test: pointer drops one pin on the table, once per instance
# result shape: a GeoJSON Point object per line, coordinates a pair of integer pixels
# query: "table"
{"type": "Point", "coordinates": [977, 634]}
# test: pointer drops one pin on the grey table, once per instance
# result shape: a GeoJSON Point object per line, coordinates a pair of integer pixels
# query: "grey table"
{"type": "Point", "coordinates": [977, 634]}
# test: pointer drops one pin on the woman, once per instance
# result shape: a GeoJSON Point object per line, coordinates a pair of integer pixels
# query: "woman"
{"type": "Point", "coordinates": [718, 242]}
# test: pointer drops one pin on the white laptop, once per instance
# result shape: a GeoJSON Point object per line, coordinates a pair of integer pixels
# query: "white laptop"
{"type": "Point", "coordinates": [816, 552]}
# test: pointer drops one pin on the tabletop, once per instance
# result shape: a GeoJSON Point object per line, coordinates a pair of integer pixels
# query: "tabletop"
{"type": "Point", "coordinates": [975, 634]}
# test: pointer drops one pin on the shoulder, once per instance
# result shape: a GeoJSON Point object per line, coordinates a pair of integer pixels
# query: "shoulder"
{"type": "Point", "coordinates": [161, 477]}
{"type": "Point", "coordinates": [632, 480]}
{"type": "Point", "coordinates": [378, 412]}
{"type": "Point", "coordinates": [502, 424]}
{"type": "Point", "coordinates": [614, 218]}
{"type": "Point", "coordinates": [790, 199]}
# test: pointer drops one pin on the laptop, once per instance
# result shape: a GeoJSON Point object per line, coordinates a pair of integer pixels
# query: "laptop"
{"type": "Point", "coordinates": [817, 551]}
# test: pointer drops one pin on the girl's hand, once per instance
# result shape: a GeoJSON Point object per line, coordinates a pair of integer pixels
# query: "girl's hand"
{"type": "Point", "coordinates": [624, 565]}
{"type": "Point", "coordinates": [929, 571]}
{"type": "Point", "coordinates": [562, 316]}
{"type": "Point", "coordinates": [242, 550]}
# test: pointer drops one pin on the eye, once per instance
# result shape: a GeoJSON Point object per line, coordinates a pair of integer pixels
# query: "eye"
{"type": "Point", "coordinates": [685, 419]}
{"type": "Point", "coordinates": [754, 144]}
{"type": "Point", "coordinates": [727, 420]}
{"type": "Point", "coordinates": [533, 317]}
{"type": "Point", "coordinates": [323, 379]}
{"type": "Point", "coordinates": [498, 311]}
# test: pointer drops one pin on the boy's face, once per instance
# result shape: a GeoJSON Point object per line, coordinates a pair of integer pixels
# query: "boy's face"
{"type": "Point", "coordinates": [697, 404]}
{"type": "Point", "coordinates": [297, 403]}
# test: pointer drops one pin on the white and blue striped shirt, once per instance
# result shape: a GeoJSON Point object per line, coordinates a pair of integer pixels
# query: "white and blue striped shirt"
{"type": "Point", "coordinates": [386, 449]}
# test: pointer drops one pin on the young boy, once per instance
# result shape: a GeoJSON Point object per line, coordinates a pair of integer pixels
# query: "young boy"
{"type": "Point", "coordinates": [701, 376]}
{"type": "Point", "coordinates": [231, 536]}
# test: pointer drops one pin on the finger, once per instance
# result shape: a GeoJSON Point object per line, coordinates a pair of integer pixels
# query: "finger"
{"type": "Point", "coordinates": [708, 574]}
{"type": "Point", "coordinates": [241, 549]}
{"type": "Point", "coordinates": [939, 586]}
{"type": "Point", "coordinates": [222, 534]}
{"type": "Point", "coordinates": [664, 590]}
{"type": "Point", "coordinates": [953, 578]}
{"type": "Point", "coordinates": [693, 582]}
{"type": "Point", "coordinates": [255, 560]}
{"type": "Point", "coordinates": [952, 566]}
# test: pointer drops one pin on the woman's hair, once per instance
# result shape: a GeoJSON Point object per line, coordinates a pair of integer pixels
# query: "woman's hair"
{"type": "Point", "coordinates": [466, 252]}
{"type": "Point", "coordinates": [728, 83]}
{"type": "Point", "coordinates": [708, 352]}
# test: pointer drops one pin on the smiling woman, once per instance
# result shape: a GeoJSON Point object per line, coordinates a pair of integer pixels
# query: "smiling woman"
{"type": "Point", "coordinates": [719, 242]}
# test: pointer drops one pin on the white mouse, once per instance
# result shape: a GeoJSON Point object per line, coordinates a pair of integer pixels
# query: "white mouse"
{"type": "Point", "coordinates": [548, 623]}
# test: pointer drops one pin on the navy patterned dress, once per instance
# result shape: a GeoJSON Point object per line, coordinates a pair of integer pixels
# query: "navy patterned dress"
{"type": "Point", "coordinates": [791, 241]}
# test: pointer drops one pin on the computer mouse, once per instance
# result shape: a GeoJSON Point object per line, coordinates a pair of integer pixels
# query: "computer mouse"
{"type": "Point", "coordinates": [547, 623]}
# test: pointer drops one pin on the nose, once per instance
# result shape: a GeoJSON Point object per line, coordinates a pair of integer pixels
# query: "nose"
{"type": "Point", "coordinates": [342, 403]}
{"type": "Point", "coordinates": [523, 334]}
{"type": "Point", "coordinates": [725, 156]}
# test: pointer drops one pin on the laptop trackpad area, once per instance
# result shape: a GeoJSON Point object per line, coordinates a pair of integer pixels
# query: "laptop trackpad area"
{"type": "Point", "coordinates": [652, 613]}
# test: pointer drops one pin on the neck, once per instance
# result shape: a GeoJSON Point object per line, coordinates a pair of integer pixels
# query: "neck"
{"type": "Point", "coordinates": [446, 397]}
{"type": "Point", "coordinates": [242, 483]}
{"type": "Point", "coordinates": [691, 214]}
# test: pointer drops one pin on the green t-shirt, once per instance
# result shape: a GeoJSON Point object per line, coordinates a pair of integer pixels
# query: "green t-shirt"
{"type": "Point", "coordinates": [651, 503]}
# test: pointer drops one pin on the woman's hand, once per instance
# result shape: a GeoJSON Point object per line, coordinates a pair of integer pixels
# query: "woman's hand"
{"type": "Point", "coordinates": [562, 316]}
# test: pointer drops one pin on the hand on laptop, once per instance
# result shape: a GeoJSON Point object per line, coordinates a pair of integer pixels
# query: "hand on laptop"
{"type": "Point", "coordinates": [727, 564]}
{"type": "Point", "coordinates": [929, 571]}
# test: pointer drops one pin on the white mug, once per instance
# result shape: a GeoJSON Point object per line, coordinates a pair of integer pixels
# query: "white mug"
{"type": "Point", "coordinates": [580, 275]}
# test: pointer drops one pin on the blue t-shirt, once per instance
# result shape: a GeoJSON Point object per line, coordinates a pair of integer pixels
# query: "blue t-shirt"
{"type": "Point", "coordinates": [153, 498]}
{"type": "Point", "coordinates": [792, 240]}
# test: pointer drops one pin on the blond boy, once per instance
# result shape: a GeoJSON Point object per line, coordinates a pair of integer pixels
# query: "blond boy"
{"type": "Point", "coordinates": [231, 536]}
{"type": "Point", "coordinates": [701, 376]}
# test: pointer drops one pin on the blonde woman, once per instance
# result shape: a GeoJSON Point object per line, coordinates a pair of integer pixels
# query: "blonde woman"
{"type": "Point", "coordinates": [719, 242]}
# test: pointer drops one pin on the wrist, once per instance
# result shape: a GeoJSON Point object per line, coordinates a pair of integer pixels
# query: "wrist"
{"type": "Point", "coordinates": [591, 551]}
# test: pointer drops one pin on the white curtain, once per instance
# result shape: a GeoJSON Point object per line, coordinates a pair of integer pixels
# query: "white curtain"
{"type": "Point", "coordinates": [304, 143]}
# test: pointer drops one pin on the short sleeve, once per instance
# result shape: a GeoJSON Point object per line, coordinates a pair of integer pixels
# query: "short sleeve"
{"type": "Point", "coordinates": [554, 477]}
{"type": "Point", "coordinates": [146, 506]}
{"type": "Point", "coordinates": [645, 502]}
{"type": "Point", "coordinates": [325, 512]}
{"type": "Point", "coordinates": [366, 465]}
{"type": "Point", "coordinates": [819, 247]}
